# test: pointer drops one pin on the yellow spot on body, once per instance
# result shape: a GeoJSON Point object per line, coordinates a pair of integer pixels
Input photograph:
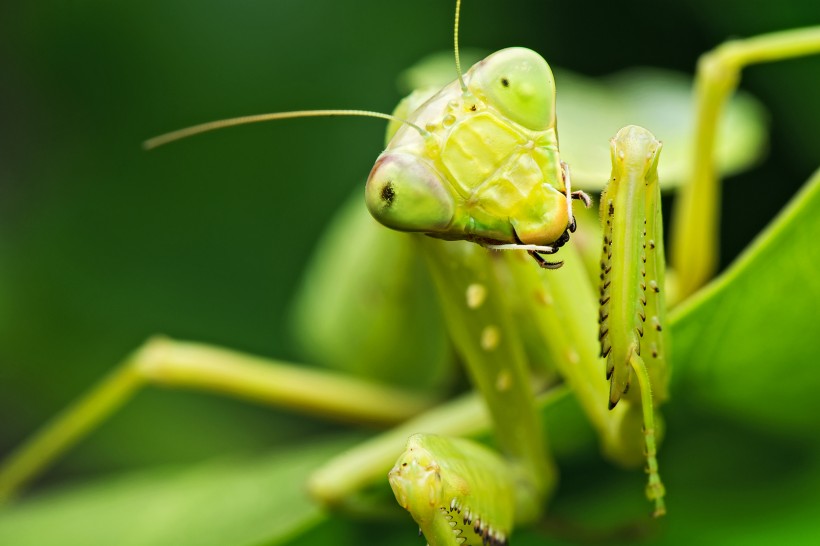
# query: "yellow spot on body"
{"type": "Point", "coordinates": [573, 357]}
{"type": "Point", "coordinates": [503, 381]}
{"type": "Point", "coordinates": [449, 120]}
{"type": "Point", "coordinates": [490, 338]}
{"type": "Point", "coordinates": [476, 294]}
{"type": "Point", "coordinates": [543, 297]}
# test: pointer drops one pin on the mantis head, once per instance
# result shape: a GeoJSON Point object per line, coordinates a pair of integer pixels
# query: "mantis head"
{"type": "Point", "coordinates": [416, 482]}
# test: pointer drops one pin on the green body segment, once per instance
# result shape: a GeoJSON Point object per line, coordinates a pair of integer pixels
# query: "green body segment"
{"type": "Point", "coordinates": [487, 169]}
{"type": "Point", "coordinates": [632, 278]}
{"type": "Point", "coordinates": [372, 306]}
{"type": "Point", "coordinates": [458, 491]}
{"type": "Point", "coordinates": [478, 317]}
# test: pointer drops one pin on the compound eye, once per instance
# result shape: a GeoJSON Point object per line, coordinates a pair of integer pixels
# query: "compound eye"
{"type": "Point", "coordinates": [518, 82]}
{"type": "Point", "coordinates": [404, 193]}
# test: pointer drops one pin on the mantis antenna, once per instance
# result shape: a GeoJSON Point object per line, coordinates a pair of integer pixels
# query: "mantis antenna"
{"type": "Point", "coordinates": [179, 134]}
{"type": "Point", "coordinates": [455, 47]}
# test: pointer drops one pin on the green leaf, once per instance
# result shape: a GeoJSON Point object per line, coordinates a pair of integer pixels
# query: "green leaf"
{"type": "Point", "coordinates": [590, 111]}
{"type": "Point", "coordinates": [727, 485]}
{"type": "Point", "coordinates": [746, 344]}
{"type": "Point", "coordinates": [732, 485]}
{"type": "Point", "coordinates": [236, 502]}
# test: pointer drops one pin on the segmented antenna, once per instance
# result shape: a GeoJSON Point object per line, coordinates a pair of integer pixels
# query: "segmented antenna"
{"type": "Point", "coordinates": [179, 134]}
{"type": "Point", "coordinates": [455, 47]}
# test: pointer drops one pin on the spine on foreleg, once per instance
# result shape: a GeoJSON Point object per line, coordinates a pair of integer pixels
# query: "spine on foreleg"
{"type": "Point", "coordinates": [458, 491]}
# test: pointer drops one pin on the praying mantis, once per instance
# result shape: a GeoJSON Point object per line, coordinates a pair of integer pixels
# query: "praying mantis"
{"type": "Point", "coordinates": [465, 289]}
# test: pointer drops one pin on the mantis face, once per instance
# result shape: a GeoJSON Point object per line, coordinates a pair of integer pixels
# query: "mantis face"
{"type": "Point", "coordinates": [486, 167]}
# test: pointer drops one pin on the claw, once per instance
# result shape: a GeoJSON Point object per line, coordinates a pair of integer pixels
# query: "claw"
{"type": "Point", "coordinates": [542, 262]}
{"type": "Point", "coordinates": [582, 196]}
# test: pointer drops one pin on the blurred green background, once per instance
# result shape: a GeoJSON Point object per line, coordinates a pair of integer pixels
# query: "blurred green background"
{"type": "Point", "coordinates": [103, 245]}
